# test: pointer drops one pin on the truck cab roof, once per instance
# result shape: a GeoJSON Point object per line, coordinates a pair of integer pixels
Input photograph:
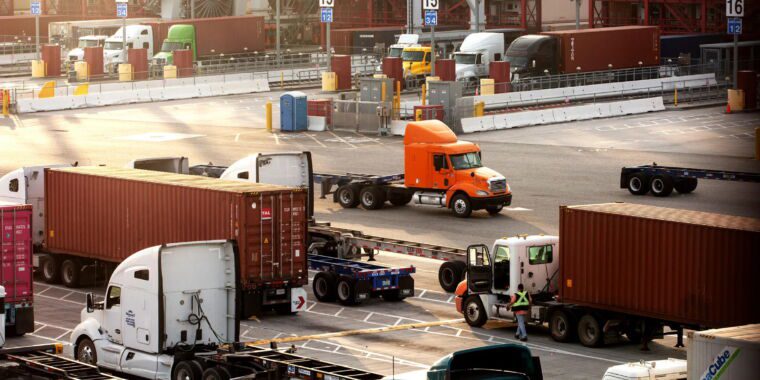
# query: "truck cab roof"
{"type": "Point", "coordinates": [435, 132]}
{"type": "Point", "coordinates": [524, 44]}
{"type": "Point", "coordinates": [660, 369]}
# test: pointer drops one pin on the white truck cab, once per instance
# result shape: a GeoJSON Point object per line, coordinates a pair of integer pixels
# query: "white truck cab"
{"type": "Point", "coordinates": [668, 369]}
{"type": "Point", "coordinates": [404, 40]}
{"type": "Point", "coordinates": [138, 37]}
{"type": "Point", "coordinates": [160, 301]}
{"type": "Point", "coordinates": [77, 54]}
{"type": "Point", "coordinates": [494, 274]}
{"type": "Point", "coordinates": [475, 54]}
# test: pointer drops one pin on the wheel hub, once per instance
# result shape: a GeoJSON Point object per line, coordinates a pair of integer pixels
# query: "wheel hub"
{"type": "Point", "coordinates": [459, 206]}
{"type": "Point", "coordinates": [472, 311]}
{"type": "Point", "coordinates": [635, 184]}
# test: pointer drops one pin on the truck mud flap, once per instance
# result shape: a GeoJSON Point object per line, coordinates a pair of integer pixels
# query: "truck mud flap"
{"type": "Point", "coordinates": [406, 286]}
{"type": "Point", "coordinates": [250, 303]}
{"type": "Point", "coordinates": [363, 290]}
{"type": "Point", "coordinates": [23, 320]}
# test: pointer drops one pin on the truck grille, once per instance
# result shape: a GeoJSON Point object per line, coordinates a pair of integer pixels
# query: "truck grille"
{"type": "Point", "coordinates": [497, 186]}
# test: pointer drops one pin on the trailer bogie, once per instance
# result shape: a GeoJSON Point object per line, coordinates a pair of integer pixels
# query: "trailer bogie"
{"type": "Point", "coordinates": [662, 180]}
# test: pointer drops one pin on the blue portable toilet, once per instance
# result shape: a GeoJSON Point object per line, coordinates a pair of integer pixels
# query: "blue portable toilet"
{"type": "Point", "coordinates": [293, 112]}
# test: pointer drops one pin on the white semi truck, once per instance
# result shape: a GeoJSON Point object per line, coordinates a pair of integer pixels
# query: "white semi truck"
{"type": "Point", "coordinates": [138, 37]}
{"type": "Point", "coordinates": [475, 54]}
{"type": "Point", "coordinates": [77, 54]}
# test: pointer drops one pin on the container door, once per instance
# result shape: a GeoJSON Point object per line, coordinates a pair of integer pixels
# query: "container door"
{"type": "Point", "coordinates": [261, 241]}
{"type": "Point", "coordinates": [292, 253]}
{"type": "Point", "coordinates": [16, 255]}
{"type": "Point", "coordinates": [479, 270]}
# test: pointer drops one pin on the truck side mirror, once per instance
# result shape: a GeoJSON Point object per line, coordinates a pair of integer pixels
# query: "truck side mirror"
{"type": "Point", "coordinates": [90, 303]}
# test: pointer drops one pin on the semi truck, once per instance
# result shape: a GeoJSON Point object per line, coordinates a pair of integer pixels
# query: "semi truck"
{"type": "Point", "coordinates": [404, 41]}
{"type": "Point", "coordinates": [439, 171]}
{"type": "Point", "coordinates": [578, 51]}
{"type": "Point", "coordinates": [77, 54]}
{"type": "Point", "coordinates": [475, 54]}
{"type": "Point", "coordinates": [80, 232]}
{"type": "Point", "coordinates": [620, 268]}
{"type": "Point", "coordinates": [16, 274]}
{"type": "Point", "coordinates": [417, 64]}
{"type": "Point", "coordinates": [137, 37]}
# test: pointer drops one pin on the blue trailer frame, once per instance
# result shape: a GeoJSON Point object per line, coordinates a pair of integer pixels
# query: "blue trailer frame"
{"type": "Point", "coordinates": [661, 180]}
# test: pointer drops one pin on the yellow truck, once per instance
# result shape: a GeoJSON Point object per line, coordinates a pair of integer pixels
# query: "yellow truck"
{"type": "Point", "coordinates": [416, 64]}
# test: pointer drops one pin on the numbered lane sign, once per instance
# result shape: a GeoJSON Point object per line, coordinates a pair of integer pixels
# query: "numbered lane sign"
{"type": "Point", "coordinates": [327, 15]}
{"type": "Point", "coordinates": [326, 4]}
{"type": "Point", "coordinates": [431, 18]}
{"type": "Point", "coordinates": [734, 26]}
{"type": "Point", "coordinates": [734, 8]}
{"type": "Point", "coordinates": [430, 4]}
{"type": "Point", "coordinates": [36, 8]}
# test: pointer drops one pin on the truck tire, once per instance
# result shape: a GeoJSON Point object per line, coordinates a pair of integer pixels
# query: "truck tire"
{"type": "Point", "coordinates": [450, 274]}
{"type": "Point", "coordinates": [71, 273]}
{"type": "Point", "coordinates": [686, 185]}
{"type": "Point", "coordinates": [216, 373]}
{"type": "Point", "coordinates": [638, 184]}
{"type": "Point", "coordinates": [372, 197]}
{"type": "Point", "coordinates": [187, 370]}
{"type": "Point", "coordinates": [662, 185]}
{"type": "Point", "coordinates": [348, 196]}
{"type": "Point", "coordinates": [399, 199]}
{"type": "Point", "coordinates": [324, 286]}
{"type": "Point", "coordinates": [561, 327]}
{"type": "Point", "coordinates": [393, 295]}
{"type": "Point", "coordinates": [346, 291]}
{"type": "Point", "coordinates": [85, 352]}
{"type": "Point", "coordinates": [590, 331]}
{"type": "Point", "coordinates": [51, 270]}
{"type": "Point", "coordinates": [474, 312]}
{"type": "Point", "coordinates": [634, 335]}
{"type": "Point", "coordinates": [494, 210]}
{"type": "Point", "coordinates": [461, 205]}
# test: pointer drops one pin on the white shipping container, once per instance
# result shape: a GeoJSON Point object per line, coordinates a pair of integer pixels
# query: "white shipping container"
{"type": "Point", "coordinates": [731, 353]}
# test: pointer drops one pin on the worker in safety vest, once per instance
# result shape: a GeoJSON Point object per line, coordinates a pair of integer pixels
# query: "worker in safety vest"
{"type": "Point", "coordinates": [520, 305]}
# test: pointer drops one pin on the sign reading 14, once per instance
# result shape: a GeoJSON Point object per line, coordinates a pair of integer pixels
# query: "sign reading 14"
{"type": "Point", "coordinates": [326, 3]}
{"type": "Point", "coordinates": [433, 4]}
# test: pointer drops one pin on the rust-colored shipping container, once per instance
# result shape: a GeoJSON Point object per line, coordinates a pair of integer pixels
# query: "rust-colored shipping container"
{"type": "Point", "coordinates": [138, 58]}
{"type": "Point", "coordinates": [594, 49]}
{"type": "Point", "coordinates": [340, 41]}
{"type": "Point", "coordinates": [446, 70]}
{"type": "Point", "coordinates": [393, 67]}
{"type": "Point", "coordinates": [429, 112]}
{"type": "Point", "coordinates": [747, 82]}
{"type": "Point", "coordinates": [183, 59]}
{"type": "Point", "coordinates": [217, 35]}
{"type": "Point", "coordinates": [51, 55]}
{"type": "Point", "coordinates": [23, 25]}
{"type": "Point", "coordinates": [93, 55]}
{"type": "Point", "coordinates": [693, 268]}
{"type": "Point", "coordinates": [341, 66]}
{"type": "Point", "coordinates": [320, 107]}
{"type": "Point", "coordinates": [107, 214]}
{"type": "Point", "coordinates": [499, 72]}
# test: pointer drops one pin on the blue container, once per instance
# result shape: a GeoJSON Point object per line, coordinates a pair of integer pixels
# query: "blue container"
{"type": "Point", "coordinates": [293, 112]}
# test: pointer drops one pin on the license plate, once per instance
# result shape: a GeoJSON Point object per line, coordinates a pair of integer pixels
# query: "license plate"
{"type": "Point", "coordinates": [386, 282]}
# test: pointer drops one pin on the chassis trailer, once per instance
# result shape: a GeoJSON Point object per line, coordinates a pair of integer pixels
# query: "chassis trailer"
{"type": "Point", "coordinates": [661, 180]}
{"type": "Point", "coordinates": [45, 362]}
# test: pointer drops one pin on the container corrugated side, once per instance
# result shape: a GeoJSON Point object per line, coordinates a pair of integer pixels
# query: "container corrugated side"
{"type": "Point", "coordinates": [213, 35]}
{"type": "Point", "coordinates": [109, 213]}
{"type": "Point", "coordinates": [16, 272]}
{"type": "Point", "coordinates": [737, 349]}
{"type": "Point", "coordinates": [614, 257]}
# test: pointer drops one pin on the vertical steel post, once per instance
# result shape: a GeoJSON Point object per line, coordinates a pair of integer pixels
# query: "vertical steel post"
{"type": "Point", "coordinates": [477, 16]}
{"type": "Point", "coordinates": [37, 35]}
{"type": "Point", "coordinates": [432, 50]}
{"type": "Point", "coordinates": [736, 60]}
{"type": "Point", "coordinates": [577, 14]}
{"type": "Point", "coordinates": [277, 29]}
{"type": "Point", "coordinates": [329, 49]}
{"type": "Point", "coordinates": [124, 36]}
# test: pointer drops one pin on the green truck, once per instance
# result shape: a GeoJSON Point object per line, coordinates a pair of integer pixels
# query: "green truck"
{"type": "Point", "coordinates": [180, 37]}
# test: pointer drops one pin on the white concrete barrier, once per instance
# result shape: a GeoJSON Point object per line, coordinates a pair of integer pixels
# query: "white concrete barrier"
{"type": "Point", "coordinates": [317, 123]}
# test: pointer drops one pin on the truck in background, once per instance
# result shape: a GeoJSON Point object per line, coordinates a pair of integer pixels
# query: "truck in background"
{"type": "Point", "coordinates": [577, 51]}
{"type": "Point", "coordinates": [138, 37]}
{"type": "Point", "coordinates": [404, 41]}
{"type": "Point", "coordinates": [416, 61]}
{"type": "Point", "coordinates": [476, 52]}
{"type": "Point", "coordinates": [77, 54]}
{"type": "Point", "coordinates": [623, 269]}
{"type": "Point", "coordinates": [16, 271]}
{"type": "Point", "coordinates": [666, 369]}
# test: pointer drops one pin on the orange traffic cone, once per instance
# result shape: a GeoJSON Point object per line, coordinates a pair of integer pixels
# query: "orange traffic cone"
{"type": "Point", "coordinates": [728, 108]}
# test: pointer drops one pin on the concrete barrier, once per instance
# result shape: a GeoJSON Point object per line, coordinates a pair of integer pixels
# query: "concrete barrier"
{"type": "Point", "coordinates": [317, 123]}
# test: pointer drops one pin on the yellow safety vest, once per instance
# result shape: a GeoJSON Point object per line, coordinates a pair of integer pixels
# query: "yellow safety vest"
{"type": "Point", "coordinates": [522, 302]}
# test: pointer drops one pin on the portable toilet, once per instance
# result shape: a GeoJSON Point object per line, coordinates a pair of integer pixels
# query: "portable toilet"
{"type": "Point", "coordinates": [293, 108]}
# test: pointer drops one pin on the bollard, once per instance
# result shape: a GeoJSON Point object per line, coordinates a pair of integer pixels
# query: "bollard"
{"type": "Point", "coordinates": [282, 79]}
{"type": "Point", "coordinates": [383, 91]}
{"type": "Point", "coordinates": [424, 93]}
{"type": "Point", "coordinates": [5, 95]}
{"type": "Point", "coordinates": [397, 99]}
{"type": "Point", "coordinates": [757, 143]}
{"type": "Point", "coordinates": [269, 117]}
{"type": "Point", "coordinates": [675, 97]}
{"type": "Point", "coordinates": [418, 115]}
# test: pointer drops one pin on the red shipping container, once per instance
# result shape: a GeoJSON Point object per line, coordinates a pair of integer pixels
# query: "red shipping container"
{"type": "Point", "coordinates": [108, 213]}
{"type": "Point", "coordinates": [689, 267]}
{"type": "Point", "coordinates": [594, 49]}
{"type": "Point", "coordinates": [499, 72]}
{"type": "Point", "coordinates": [138, 58]}
{"type": "Point", "coordinates": [94, 57]}
{"type": "Point", "coordinates": [747, 82]}
{"type": "Point", "coordinates": [340, 41]}
{"type": "Point", "coordinates": [23, 25]}
{"type": "Point", "coordinates": [183, 59]}
{"type": "Point", "coordinates": [430, 111]}
{"type": "Point", "coordinates": [341, 66]}
{"type": "Point", "coordinates": [320, 107]}
{"type": "Point", "coordinates": [51, 55]}
{"type": "Point", "coordinates": [16, 271]}
{"type": "Point", "coordinates": [446, 70]}
{"type": "Point", "coordinates": [393, 67]}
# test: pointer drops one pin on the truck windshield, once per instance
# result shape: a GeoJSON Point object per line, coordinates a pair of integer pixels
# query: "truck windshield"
{"type": "Point", "coordinates": [465, 59]}
{"type": "Point", "coordinates": [88, 43]}
{"type": "Point", "coordinates": [111, 45]}
{"type": "Point", "coordinates": [170, 46]}
{"type": "Point", "coordinates": [465, 161]}
{"type": "Point", "coordinates": [395, 52]}
{"type": "Point", "coordinates": [413, 56]}
{"type": "Point", "coordinates": [517, 61]}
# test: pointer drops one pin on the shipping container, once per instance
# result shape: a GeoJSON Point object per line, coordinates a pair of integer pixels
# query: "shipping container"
{"type": "Point", "coordinates": [16, 272]}
{"type": "Point", "coordinates": [688, 267]}
{"type": "Point", "coordinates": [218, 35]}
{"type": "Point", "coordinates": [51, 55]}
{"type": "Point", "coordinates": [106, 214]}
{"type": "Point", "coordinates": [362, 40]}
{"type": "Point", "coordinates": [138, 58]}
{"type": "Point", "coordinates": [11, 26]}
{"type": "Point", "coordinates": [595, 49]}
{"type": "Point", "coordinates": [731, 353]}
{"type": "Point", "coordinates": [675, 45]}
{"type": "Point", "coordinates": [183, 60]}
{"type": "Point", "coordinates": [93, 55]}
{"type": "Point", "coordinates": [445, 70]}
{"type": "Point", "coordinates": [341, 66]}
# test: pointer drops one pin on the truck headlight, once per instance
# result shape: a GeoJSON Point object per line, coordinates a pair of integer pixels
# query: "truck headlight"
{"type": "Point", "coordinates": [481, 193]}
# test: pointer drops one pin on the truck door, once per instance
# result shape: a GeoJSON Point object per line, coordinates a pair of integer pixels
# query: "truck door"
{"type": "Point", "coordinates": [112, 326]}
{"type": "Point", "coordinates": [540, 273]}
{"type": "Point", "coordinates": [441, 172]}
{"type": "Point", "coordinates": [479, 270]}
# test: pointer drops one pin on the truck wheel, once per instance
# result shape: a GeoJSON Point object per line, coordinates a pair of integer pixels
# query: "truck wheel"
{"type": "Point", "coordinates": [346, 291]}
{"type": "Point", "coordinates": [633, 335]}
{"type": "Point", "coordinates": [686, 185]}
{"type": "Point", "coordinates": [372, 197]}
{"type": "Point", "coordinates": [450, 275]}
{"type": "Point", "coordinates": [638, 184]}
{"type": "Point", "coordinates": [494, 210]}
{"type": "Point", "coordinates": [71, 271]}
{"type": "Point", "coordinates": [590, 331]}
{"type": "Point", "coordinates": [348, 196]}
{"type": "Point", "coordinates": [662, 185]}
{"type": "Point", "coordinates": [51, 271]}
{"type": "Point", "coordinates": [461, 205]}
{"type": "Point", "coordinates": [216, 373]}
{"type": "Point", "coordinates": [393, 295]}
{"type": "Point", "coordinates": [400, 199]}
{"type": "Point", "coordinates": [187, 370]}
{"type": "Point", "coordinates": [561, 327]}
{"type": "Point", "coordinates": [86, 353]}
{"type": "Point", "coordinates": [474, 312]}
{"type": "Point", "coordinates": [324, 287]}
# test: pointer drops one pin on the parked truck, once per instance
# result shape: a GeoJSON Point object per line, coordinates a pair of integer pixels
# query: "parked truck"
{"type": "Point", "coordinates": [404, 41]}
{"type": "Point", "coordinates": [586, 50]}
{"type": "Point", "coordinates": [80, 230]}
{"type": "Point", "coordinates": [620, 268]}
{"type": "Point", "coordinates": [417, 64]}
{"type": "Point", "coordinates": [137, 37]}
{"type": "Point", "coordinates": [475, 54]}
{"type": "Point", "coordinates": [77, 54]}
{"type": "Point", "coordinates": [16, 276]}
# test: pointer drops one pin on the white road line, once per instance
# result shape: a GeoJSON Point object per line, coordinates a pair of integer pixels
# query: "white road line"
{"type": "Point", "coordinates": [422, 293]}
{"type": "Point", "coordinates": [46, 338]}
{"type": "Point", "coordinates": [339, 311]}
{"type": "Point", "coordinates": [276, 138]}
{"type": "Point", "coordinates": [237, 137]}
{"type": "Point", "coordinates": [60, 299]}
{"type": "Point", "coordinates": [342, 140]}
{"type": "Point", "coordinates": [450, 299]}
{"type": "Point", "coordinates": [316, 140]}
{"type": "Point", "coordinates": [368, 316]}
{"type": "Point", "coordinates": [62, 335]}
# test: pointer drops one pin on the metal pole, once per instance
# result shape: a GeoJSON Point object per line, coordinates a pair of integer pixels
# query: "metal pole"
{"type": "Point", "coordinates": [432, 48]}
{"type": "Point", "coordinates": [277, 26]}
{"type": "Point", "coordinates": [477, 16]}
{"type": "Point", "coordinates": [577, 14]}
{"type": "Point", "coordinates": [736, 60]}
{"type": "Point", "coordinates": [329, 49]}
{"type": "Point", "coordinates": [192, 8]}
{"type": "Point", "coordinates": [37, 35]}
{"type": "Point", "coordinates": [124, 39]}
